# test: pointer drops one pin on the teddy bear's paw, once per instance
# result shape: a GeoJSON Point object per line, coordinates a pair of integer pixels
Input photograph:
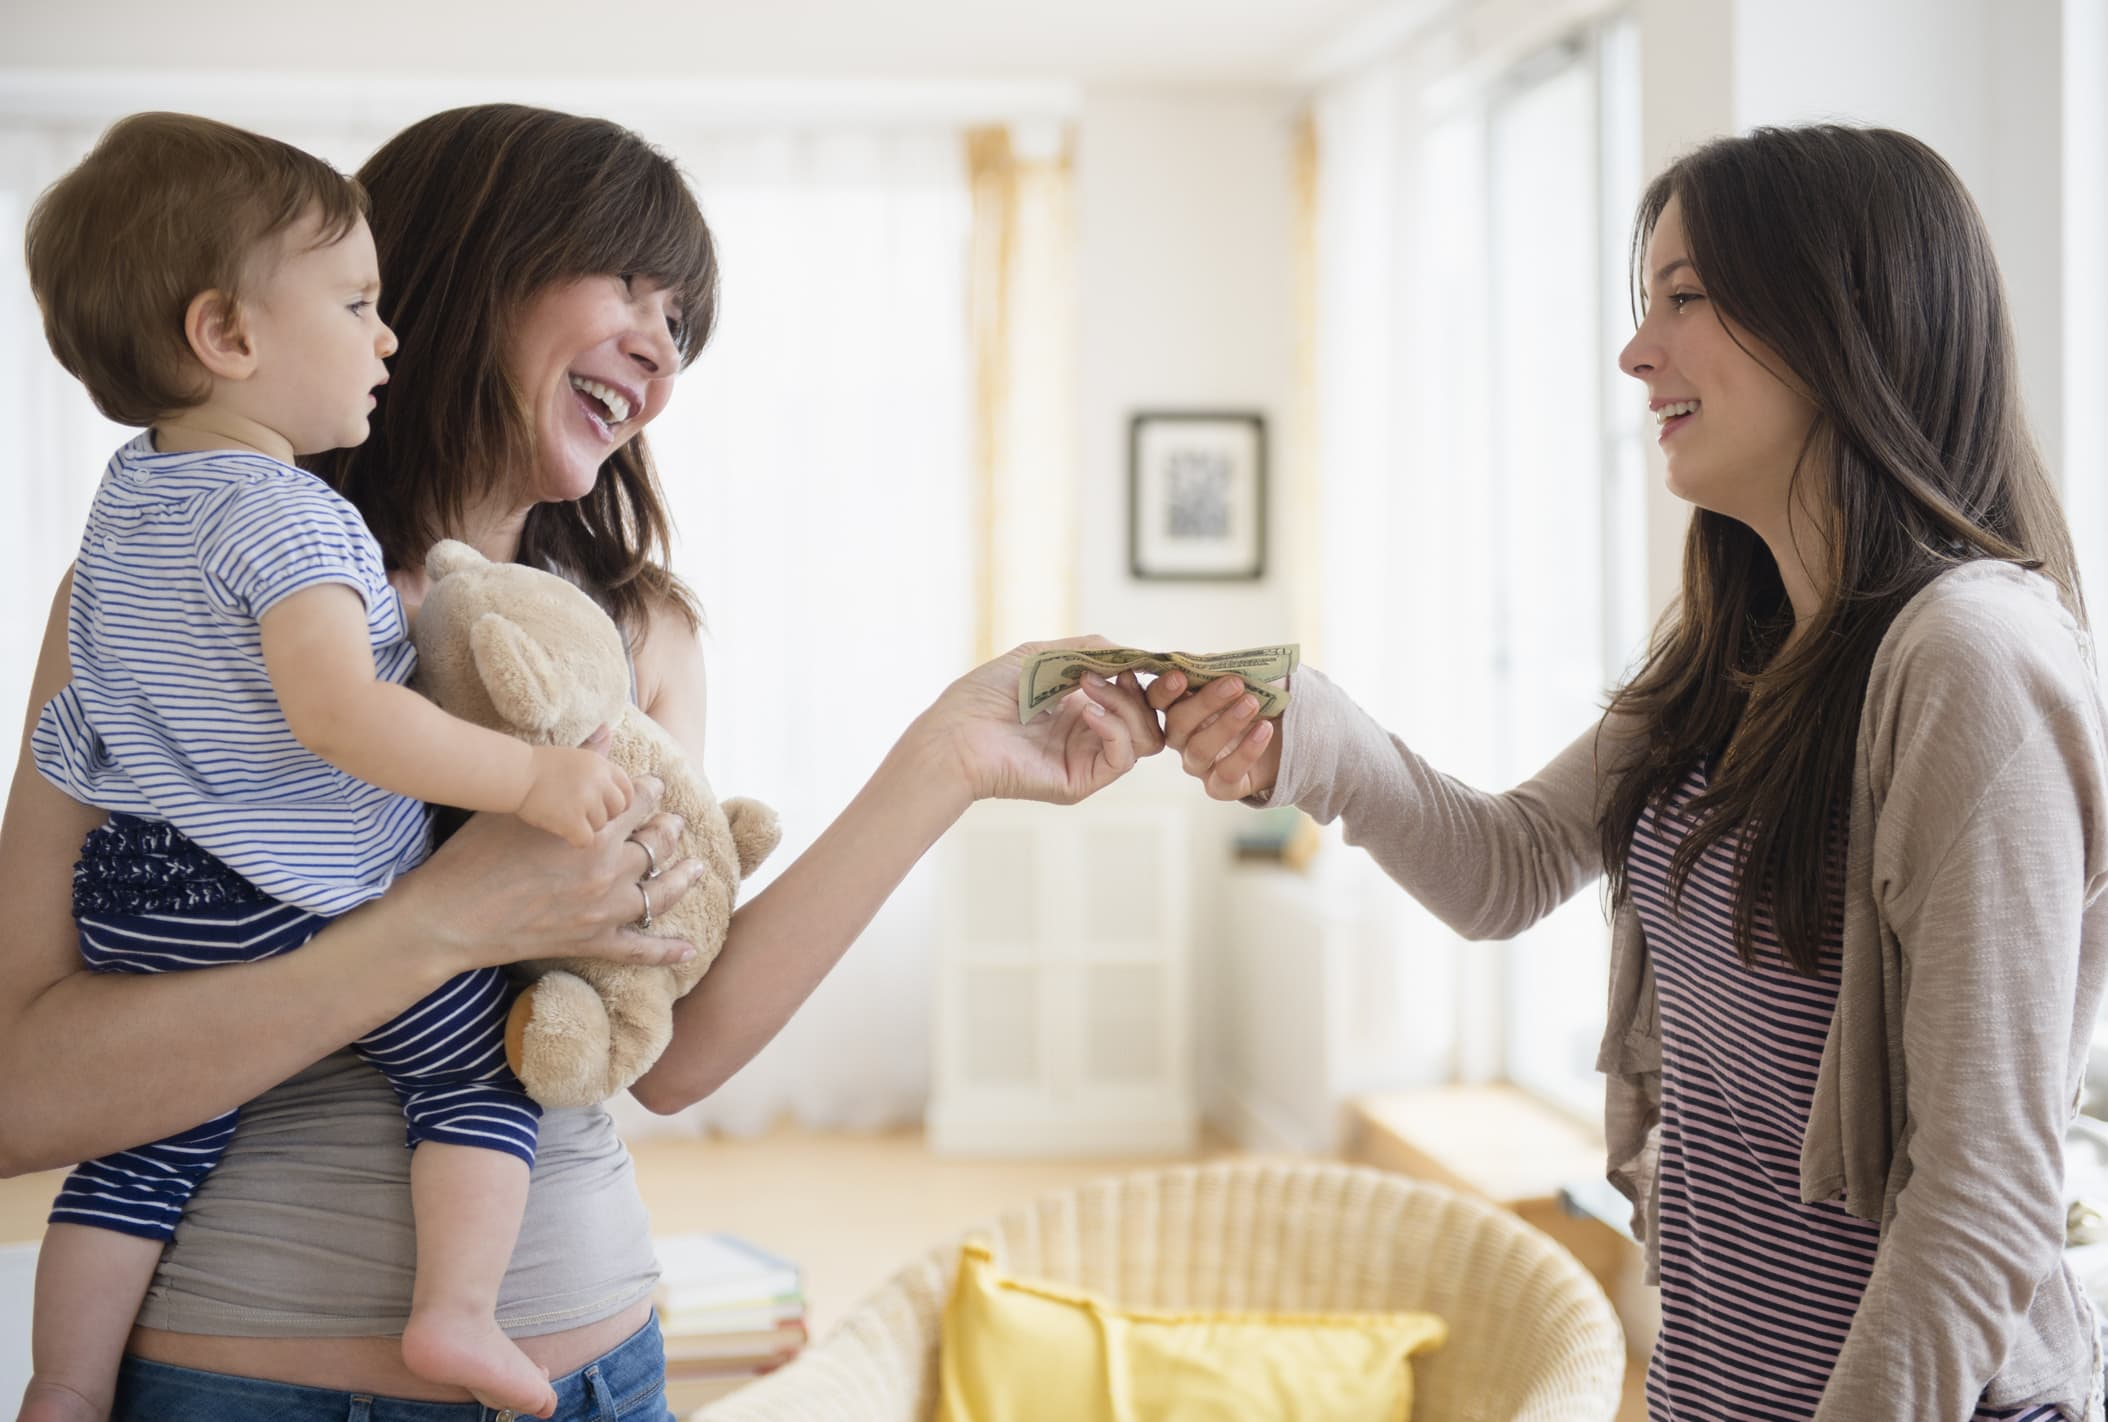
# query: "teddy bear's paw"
{"type": "Point", "coordinates": [557, 1042]}
{"type": "Point", "coordinates": [755, 831]}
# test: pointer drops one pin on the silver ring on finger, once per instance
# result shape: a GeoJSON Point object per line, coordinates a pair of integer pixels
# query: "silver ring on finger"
{"type": "Point", "coordinates": [644, 923]}
{"type": "Point", "coordinates": [651, 860]}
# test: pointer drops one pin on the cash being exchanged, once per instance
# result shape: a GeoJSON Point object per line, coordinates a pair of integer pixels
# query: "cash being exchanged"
{"type": "Point", "coordinates": [1049, 676]}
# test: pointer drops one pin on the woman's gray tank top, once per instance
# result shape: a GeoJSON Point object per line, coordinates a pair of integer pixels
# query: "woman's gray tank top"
{"type": "Point", "coordinates": [304, 1231]}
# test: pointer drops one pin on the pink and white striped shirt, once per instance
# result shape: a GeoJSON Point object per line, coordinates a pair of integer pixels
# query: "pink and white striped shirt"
{"type": "Point", "coordinates": [1758, 1289]}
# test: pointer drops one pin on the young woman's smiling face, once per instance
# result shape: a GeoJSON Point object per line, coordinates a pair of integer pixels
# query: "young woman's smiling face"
{"type": "Point", "coordinates": [595, 358]}
{"type": "Point", "coordinates": [1733, 421]}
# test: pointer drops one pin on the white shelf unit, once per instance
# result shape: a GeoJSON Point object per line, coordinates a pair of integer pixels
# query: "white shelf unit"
{"type": "Point", "coordinates": [1064, 1017]}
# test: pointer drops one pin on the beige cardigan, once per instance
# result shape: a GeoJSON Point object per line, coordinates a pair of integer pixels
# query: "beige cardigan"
{"type": "Point", "coordinates": [1975, 949]}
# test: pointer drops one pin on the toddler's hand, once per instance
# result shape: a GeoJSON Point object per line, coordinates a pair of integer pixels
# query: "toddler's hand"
{"type": "Point", "coordinates": [574, 793]}
{"type": "Point", "coordinates": [1219, 735]}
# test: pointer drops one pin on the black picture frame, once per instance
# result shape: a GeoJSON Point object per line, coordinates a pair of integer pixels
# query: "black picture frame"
{"type": "Point", "coordinates": [1196, 496]}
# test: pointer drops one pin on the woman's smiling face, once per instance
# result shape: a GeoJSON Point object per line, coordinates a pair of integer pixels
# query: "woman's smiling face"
{"type": "Point", "coordinates": [595, 359]}
{"type": "Point", "coordinates": [1733, 422]}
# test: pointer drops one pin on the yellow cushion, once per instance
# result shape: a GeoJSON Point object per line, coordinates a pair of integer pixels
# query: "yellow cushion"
{"type": "Point", "coordinates": [1014, 1350]}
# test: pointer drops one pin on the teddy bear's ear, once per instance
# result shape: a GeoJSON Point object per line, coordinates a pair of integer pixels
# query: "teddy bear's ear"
{"type": "Point", "coordinates": [522, 678]}
{"type": "Point", "coordinates": [450, 555]}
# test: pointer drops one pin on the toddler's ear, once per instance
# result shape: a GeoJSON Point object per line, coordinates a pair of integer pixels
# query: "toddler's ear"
{"type": "Point", "coordinates": [212, 323]}
{"type": "Point", "coordinates": [523, 680]}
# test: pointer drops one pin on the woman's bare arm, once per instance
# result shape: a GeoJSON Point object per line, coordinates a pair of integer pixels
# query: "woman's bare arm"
{"type": "Point", "coordinates": [786, 939]}
{"type": "Point", "coordinates": [100, 1062]}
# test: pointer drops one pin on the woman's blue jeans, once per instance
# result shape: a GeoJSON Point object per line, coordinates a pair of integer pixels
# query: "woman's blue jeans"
{"type": "Point", "coordinates": [628, 1384]}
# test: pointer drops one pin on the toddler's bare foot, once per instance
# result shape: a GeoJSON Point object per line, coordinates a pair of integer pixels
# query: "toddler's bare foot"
{"type": "Point", "coordinates": [468, 1349]}
{"type": "Point", "coordinates": [45, 1401]}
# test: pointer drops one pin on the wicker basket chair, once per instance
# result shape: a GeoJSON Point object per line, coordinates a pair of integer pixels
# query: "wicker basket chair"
{"type": "Point", "coordinates": [1531, 1336]}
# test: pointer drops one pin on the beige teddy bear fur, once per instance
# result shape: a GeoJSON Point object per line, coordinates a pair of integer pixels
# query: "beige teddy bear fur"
{"type": "Point", "coordinates": [523, 651]}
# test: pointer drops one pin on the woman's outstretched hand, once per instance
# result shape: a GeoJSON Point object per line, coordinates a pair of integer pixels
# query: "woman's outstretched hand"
{"type": "Point", "coordinates": [1090, 738]}
{"type": "Point", "coordinates": [1220, 738]}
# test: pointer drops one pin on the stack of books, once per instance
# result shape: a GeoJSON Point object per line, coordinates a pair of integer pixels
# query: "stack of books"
{"type": "Point", "coordinates": [730, 1312]}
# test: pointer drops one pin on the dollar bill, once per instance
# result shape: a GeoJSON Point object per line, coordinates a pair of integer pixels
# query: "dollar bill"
{"type": "Point", "coordinates": [1048, 676]}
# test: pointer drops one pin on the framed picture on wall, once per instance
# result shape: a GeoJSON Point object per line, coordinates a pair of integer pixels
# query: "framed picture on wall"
{"type": "Point", "coordinates": [1196, 496]}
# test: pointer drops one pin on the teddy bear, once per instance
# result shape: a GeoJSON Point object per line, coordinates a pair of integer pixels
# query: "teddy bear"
{"type": "Point", "coordinates": [525, 652]}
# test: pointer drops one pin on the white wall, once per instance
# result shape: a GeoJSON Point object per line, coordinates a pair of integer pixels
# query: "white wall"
{"type": "Point", "coordinates": [1185, 219]}
{"type": "Point", "coordinates": [2086, 287]}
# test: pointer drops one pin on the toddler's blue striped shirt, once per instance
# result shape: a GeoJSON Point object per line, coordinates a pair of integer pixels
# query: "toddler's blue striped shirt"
{"type": "Point", "coordinates": [170, 714]}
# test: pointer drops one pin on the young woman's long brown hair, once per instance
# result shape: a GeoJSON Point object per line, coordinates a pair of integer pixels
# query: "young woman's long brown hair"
{"type": "Point", "coordinates": [1857, 256]}
{"type": "Point", "coordinates": [475, 211]}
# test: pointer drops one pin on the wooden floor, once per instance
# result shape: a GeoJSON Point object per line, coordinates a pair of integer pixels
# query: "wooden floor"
{"type": "Point", "coordinates": [848, 1207]}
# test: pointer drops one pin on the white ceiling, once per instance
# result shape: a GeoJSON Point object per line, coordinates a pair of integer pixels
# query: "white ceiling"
{"type": "Point", "coordinates": [1212, 42]}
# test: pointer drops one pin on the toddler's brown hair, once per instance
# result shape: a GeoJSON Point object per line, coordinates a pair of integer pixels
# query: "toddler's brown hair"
{"type": "Point", "coordinates": [166, 207]}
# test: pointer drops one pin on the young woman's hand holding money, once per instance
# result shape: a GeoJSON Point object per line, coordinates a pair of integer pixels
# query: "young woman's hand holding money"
{"type": "Point", "coordinates": [1219, 735]}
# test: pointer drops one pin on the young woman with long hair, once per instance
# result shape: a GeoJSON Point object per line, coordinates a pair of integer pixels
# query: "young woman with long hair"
{"type": "Point", "coordinates": [1851, 808]}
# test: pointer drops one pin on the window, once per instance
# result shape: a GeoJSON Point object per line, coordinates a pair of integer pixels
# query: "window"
{"type": "Point", "coordinates": [1484, 578]}
{"type": "Point", "coordinates": [1567, 570]}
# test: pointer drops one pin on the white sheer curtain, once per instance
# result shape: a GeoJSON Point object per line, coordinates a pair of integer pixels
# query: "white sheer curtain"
{"type": "Point", "coordinates": [53, 444]}
{"type": "Point", "coordinates": [1479, 515]}
{"type": "Point", "coordinates": [816, 458]}
{"type": "Point", "coordinates": [1380, 610]}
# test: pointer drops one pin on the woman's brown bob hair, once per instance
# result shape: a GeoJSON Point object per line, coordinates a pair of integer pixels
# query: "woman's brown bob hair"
{"type": "Point", "coordinates": [474, 212]}
{"type": "Point", "coordinates": [1857, 255]}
